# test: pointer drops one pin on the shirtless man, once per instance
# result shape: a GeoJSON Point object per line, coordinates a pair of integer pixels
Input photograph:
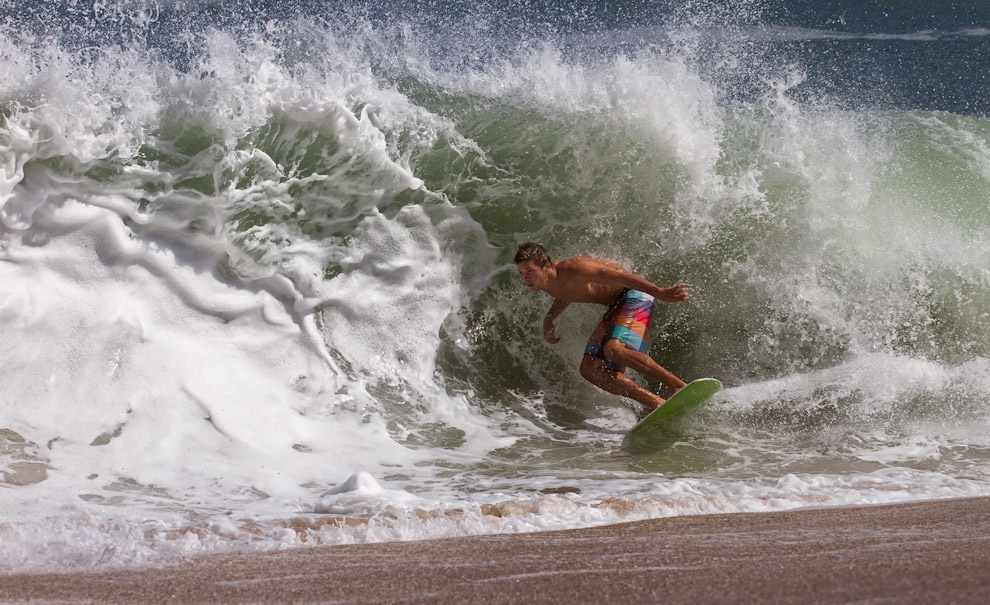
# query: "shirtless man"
{"type": "Point", "coordinates": [622, 338]}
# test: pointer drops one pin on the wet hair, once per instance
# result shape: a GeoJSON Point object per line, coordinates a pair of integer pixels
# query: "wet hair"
{"type": "Point", "coordinates": [533, 252]}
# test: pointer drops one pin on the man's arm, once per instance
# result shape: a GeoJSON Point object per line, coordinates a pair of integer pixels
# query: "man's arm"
{"type": "Point", "coordinates": [549, 334]}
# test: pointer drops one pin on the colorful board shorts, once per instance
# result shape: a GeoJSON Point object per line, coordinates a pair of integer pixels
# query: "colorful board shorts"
{"type": "Point", "coordinates": [628, 320]}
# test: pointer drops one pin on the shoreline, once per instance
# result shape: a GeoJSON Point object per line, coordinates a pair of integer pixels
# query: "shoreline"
{"type": "Point", "coordinates": [929, 551]}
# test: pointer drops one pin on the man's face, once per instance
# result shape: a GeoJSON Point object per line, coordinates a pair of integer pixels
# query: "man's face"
{"type": "Point", "coordinates": [534, 276]}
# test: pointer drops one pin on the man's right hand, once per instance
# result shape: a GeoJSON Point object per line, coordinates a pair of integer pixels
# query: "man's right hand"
{"type": "Point", "coordinates": [549, 334]}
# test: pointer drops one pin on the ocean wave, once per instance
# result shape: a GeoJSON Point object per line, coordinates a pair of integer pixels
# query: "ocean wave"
{"type": "Point", "coordinates": [246, 259]}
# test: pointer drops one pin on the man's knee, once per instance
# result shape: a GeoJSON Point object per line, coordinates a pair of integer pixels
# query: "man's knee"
{"type": "Point", "coordinates": [597, 371]}
{"type": "Point", "coordinates": [614, 350]}
{"type": "Point", "coordinates": [591, 368]}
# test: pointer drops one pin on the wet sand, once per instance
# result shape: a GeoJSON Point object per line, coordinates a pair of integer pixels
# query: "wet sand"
{"type": "Point", "coordinates": [927, 552]}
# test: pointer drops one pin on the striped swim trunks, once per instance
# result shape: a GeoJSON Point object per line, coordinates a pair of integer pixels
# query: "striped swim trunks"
{"type": "Point", "coordinates": [628, 320]}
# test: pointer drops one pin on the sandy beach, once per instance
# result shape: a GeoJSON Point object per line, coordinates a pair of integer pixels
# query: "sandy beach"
{"type": "Point", "coordinates": [927, 552]}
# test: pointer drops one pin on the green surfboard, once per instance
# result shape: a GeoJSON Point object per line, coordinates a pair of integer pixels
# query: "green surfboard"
{"type": "Point", "coordinates": [688, 397]}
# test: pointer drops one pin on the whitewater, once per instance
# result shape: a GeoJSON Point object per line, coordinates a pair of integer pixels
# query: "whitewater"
{"type": "Point", "coordinates": [256, 288]}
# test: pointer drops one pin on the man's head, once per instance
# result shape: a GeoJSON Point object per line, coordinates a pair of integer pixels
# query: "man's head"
{"type": "Point", "coordinates": [532, 252]}
{"type": "Point", "coordinates": [532, 261]}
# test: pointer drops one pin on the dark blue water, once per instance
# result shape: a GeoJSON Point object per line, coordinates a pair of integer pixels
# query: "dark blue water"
{"type": "Point", "coordinates": [899, 55]}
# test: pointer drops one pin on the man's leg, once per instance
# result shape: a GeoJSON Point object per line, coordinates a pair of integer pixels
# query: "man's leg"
{"type": "Point", "coordinates": [619, 353]}
{"type": "Point", "coordinates": [595, 371]}
{"type": "Point", "coordinates": [627, 329]}
{"type": "Point", "coordinates": [598, 372]}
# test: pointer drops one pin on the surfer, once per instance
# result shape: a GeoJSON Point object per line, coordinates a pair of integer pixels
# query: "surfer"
{"type": "Point", "coordinates": [621, 340]}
